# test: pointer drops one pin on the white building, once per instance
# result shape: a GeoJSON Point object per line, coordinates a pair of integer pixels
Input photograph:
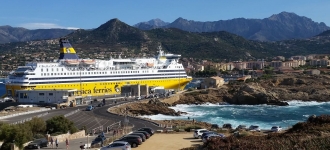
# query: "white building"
{"type": "Point", "coordinates": [48, 97]}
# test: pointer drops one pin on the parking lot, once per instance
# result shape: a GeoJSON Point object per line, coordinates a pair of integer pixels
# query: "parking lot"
{"type": "Point", "coordinates": [89, 120]}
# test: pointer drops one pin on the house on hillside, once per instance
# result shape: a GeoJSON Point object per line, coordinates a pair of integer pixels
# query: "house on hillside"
{"type": "Point", "coordinates": [212, 82]}
{"type": "Point", "coordinates": [313, 72]}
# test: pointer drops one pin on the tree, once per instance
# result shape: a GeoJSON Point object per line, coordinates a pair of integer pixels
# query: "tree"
{"type": "Point", "coordinates": [60, 124]}
{"type": "Point", "coordinates": [37, 125]}
{"type": "Point", "coordinates": [19, 134]}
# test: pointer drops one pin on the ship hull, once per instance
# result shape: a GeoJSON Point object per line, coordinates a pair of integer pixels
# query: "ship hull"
{"type": "Point", "coordinates": [104, 87]}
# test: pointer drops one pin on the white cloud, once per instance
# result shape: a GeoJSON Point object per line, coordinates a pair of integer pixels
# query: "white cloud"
{"type": "Point", "coordinates": [44, 26]}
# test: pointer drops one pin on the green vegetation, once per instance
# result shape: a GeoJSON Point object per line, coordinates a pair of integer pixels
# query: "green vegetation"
{"type": "Point", "coordinates": [188, 128]}
{"type": "Point", "coordinates": [33, 129]}
{"type": "Point", "coordinates": [60, 124]}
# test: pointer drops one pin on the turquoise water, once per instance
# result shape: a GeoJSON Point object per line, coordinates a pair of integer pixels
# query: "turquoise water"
{"type": "Point", "coordinates": [264, 116]}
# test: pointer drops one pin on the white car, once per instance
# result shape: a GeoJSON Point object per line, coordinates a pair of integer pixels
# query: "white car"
{"type": "Point", "coordinates": [198, 133]}
{"type": "Point", "coordinates": [276, 128]}
{"type": "Point", "coordinates": [254, 128]}
{"type": "Point", "coordinates": [117, 145]}
{"type": "Point", "coordinates": [138, 98]}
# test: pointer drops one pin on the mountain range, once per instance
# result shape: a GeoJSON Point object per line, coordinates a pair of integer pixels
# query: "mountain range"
{"type": "Point", "coordinates": [282, 26]}
{"type": "Point", "coordinates": [116, 37]}
{"type": "Point", "coordinates": [18, 34]}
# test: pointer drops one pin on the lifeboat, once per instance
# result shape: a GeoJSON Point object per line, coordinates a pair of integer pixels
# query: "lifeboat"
{"type": "Point", "coordinates": [88, 61]}
{"type": "Point", "coordinates": [72, 61]}
{"type": "Point", "coordinates": [150, 64]}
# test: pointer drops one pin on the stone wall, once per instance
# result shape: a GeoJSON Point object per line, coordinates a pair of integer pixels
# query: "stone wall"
{"type": "Point", "coordinates": [63, 137]}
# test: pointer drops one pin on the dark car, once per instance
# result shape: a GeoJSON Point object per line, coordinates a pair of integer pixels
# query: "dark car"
{"type": "Point", "coordinates": [37, 144]}
{"type": "Point", "coordinates": [98, 140]}
{"type": "Point", "coordinates": [142, 136]}
{"type": "Point", "coordinates": [133, 140]}
{"type": "Point", "coordinates": [149, 130]}
{"type": "Point", "coordinates": [214, 126]}
{"type": "Point", "coordinates": [206, 133]}
{"type": "Point", "coordinates": [100, 104]}
{"type": "Point", "coordinates": [143, 132]}
{"type": "Point", "coordinates": [227, 125]}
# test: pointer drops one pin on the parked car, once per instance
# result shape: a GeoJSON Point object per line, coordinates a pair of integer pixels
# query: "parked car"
{"type": "Point", "coordinates": [276, 128]}
{"type": "Point", "coordinates": [227, 125]}
{"type": "Point", "coordinates": [210, 136]}
{"type": "Point", "coordinates": [118, 145]}
{"type": "Point", "coordinates": [198, 133]}
{"type": "Point", "coordinates": [254, 128]}
{"type": "Point", "coordinates": [207, 133]}
{"type": "Point", "coordinates": [149, 130]}
{"type": "Point", "coordinates": [89, 108]}
{"type": "Point", "coordinates": [133, 140]}
{"type": "Point", "coordinates": [214, 126]}
{"type": "Point", "coordinates": [143, 132]}
{"type": "Point", "coordinates": [138, 98]}
{"type": "Point", "coordinates": [141, 135]}
{"type": "Point", "coordinates": [241, 127]}
{"type": "Point", "coordinates": [37, 144]}
{"type": "Point", "coordinates": [98, 140]}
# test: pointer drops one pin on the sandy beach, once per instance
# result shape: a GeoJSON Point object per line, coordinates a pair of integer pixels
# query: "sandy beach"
{"type": "Point", "coordinates": [170, 141]}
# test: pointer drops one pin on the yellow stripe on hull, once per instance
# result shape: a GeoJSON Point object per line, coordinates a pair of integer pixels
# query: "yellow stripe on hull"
{"type": "Point", "coordinates": [105, 88]}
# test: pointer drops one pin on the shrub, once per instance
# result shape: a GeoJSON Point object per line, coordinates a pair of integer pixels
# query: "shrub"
{"type": "Point", "coordinates": [187, 129]}
{"type": "Point", "coordinates": [60, 124]}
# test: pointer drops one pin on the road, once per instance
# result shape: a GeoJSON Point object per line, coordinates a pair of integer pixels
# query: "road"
{"type": "Point", "coordinates": [89, 119]}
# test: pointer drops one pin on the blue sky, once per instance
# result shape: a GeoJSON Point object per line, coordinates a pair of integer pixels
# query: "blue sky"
{"type": "Point", "coordinates": [88, 14]}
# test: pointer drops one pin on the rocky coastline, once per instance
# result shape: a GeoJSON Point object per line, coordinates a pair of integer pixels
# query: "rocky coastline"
{"type": "Point", "coordinates": [274, 91]}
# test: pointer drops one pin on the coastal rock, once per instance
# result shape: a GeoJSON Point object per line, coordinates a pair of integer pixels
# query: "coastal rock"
{"type": "Point", "coordinates": [152, 107]}
{"type": "Point", "coordinates": [211, 95]}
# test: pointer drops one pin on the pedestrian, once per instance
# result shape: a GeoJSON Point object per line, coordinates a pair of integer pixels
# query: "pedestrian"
{"type": "Point", "coordinates": [67, 143]}
{"type": "Point", "coordinates": [51, 142]}
{"type": "Point", "coordinates": [56, 143]}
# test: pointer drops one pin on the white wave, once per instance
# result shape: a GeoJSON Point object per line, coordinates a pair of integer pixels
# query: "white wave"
{"type": "Point", "coordinates": [163, 117]}
{"type": "Point", "coordinates": [304, 103]}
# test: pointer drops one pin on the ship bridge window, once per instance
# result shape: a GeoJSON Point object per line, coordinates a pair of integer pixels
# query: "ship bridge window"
{"type": "Point", "coordinates": [42, 70]}
{"type": "Point", "coordinates": [62, 69]}
{"type": "Point", "coordinates": [52, 69]}
{"type": "Point", "coordinates": [56, 69]}
{"type": "Point", "coordinates": [47, 69]}
{"type": "Point", "coordinates": [41, 94]}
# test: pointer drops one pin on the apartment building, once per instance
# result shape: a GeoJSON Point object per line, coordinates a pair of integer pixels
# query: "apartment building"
{"type": "Point", "coordinates": [278, 64]}
{"type": "Point", "coordinates": [319, 62]}
{"type": "Point", "coordinates": [255, 65]}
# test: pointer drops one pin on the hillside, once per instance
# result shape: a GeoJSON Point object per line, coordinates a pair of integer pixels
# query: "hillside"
{"type": "Point", "coordinates": [282, 26]}
{"type": "Point", "coordinates": [114, 37]}
{"type": "Point", "coordinates": [16, 34]}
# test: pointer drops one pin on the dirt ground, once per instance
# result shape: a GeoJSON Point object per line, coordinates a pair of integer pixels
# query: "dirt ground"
{"type": "Point", "coordinates": [169, 141]}
{"type": "Point", "coordinates": [16, 110]}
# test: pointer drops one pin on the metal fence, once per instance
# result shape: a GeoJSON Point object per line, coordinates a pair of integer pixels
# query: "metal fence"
{"type": "Point", "coordinates": [24, 113]}
{"type": "Point", "coordinates": [30, 118]}
{"type": "Point", "coordinates": [71, 113]}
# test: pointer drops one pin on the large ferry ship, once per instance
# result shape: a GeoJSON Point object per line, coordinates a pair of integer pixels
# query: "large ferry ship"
{"type": "Point", "coordinates": [94, 77]}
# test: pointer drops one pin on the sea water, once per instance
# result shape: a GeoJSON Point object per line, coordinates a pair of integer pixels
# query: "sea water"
{"type": "Point", "coordinates": [265, 116]}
